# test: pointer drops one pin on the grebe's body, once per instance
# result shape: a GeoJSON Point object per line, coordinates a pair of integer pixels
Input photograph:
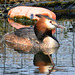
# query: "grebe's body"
{"type": "Point", "coordinates": [44, 39]}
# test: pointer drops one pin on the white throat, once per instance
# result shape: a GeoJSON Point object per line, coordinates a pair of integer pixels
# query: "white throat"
{"type": "Point", "coordinates": [49, 25]}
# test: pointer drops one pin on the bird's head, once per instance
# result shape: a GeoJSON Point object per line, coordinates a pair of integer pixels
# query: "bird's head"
{"type": "Point", "coordinates": [47, 22]}
{"type": "Point", "coordinates": [45, 26]}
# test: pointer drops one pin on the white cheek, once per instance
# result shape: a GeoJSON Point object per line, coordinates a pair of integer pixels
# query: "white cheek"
{"type": "Point", "coordinates": [50, 25]}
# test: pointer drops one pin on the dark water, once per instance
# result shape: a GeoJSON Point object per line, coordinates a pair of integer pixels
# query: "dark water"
{"type": "Point", "coordinates": [14, 63]}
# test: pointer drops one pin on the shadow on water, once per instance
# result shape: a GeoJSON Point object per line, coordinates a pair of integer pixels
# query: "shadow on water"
{"type": "Point", "coordinates": [33, 61]}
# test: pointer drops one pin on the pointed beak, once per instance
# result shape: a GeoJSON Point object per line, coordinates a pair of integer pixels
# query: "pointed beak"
{"type": "Point", "coordinates": [58, 26]}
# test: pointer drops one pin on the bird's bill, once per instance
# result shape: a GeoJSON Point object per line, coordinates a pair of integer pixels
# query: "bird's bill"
{"type": "Point", "coordinates": [58, 26]}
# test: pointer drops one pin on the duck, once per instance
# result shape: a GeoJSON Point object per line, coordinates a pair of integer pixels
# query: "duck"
{"type": "Point", "coordinates": [37, 38]}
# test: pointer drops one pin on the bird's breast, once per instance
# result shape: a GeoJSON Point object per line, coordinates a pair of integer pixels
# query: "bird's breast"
{"type": "Point", "coordinates": [49, 42]}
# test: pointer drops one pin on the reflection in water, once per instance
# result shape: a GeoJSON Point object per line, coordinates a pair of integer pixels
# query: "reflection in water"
{"type": "Point", "coordinates": [43, 62]}
{"type": "Point", "coordinates": [21, 40]}
{"type": "Point", "coordinates": [12, 62]}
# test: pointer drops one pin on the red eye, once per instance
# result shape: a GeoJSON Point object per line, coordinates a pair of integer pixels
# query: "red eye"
{"type": "Point", "coordinates": [50, 21]}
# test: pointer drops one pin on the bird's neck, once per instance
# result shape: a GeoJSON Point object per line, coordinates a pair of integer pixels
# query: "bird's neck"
{"type": "Point", "coordinates": [42, 34]}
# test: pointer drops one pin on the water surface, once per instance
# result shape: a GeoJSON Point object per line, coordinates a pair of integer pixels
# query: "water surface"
{"type": "Point", "coordinates": [18, 63]}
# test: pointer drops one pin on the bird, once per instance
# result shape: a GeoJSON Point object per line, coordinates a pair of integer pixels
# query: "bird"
{"type": "Point", "coordinates": [40, 40]}
{"type": "Point", "coordinates": [43, 62]}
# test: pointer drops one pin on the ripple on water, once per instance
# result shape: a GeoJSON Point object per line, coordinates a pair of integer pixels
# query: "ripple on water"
{"type": "Point", "coordinates": [22, 64]}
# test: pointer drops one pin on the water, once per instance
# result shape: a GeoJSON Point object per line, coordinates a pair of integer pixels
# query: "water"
{"type": "Point", "coordinates": [16, 63]}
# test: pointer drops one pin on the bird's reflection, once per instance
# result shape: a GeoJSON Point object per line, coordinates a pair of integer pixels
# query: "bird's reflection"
{"type": "Point", "coordinates": [43, 62]}
{"type": "Point", "coordinates": [35, 39]}
{"type": "Point", "coordinates": [42, 57]}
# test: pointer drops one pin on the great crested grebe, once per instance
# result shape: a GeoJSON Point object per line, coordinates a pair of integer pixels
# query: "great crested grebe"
{"type": "Point", "coordinates": [44, 38]}
{"type": "Point", "coordinates": [43, 31]}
